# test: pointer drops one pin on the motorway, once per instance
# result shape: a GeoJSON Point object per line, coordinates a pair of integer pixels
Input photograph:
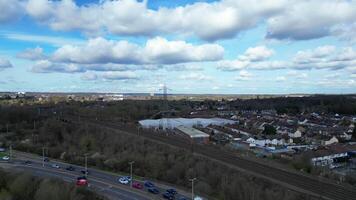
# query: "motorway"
{"type": "Point", "coordinates": [103, 183]}
{"type": "Point", "coordinates": [316, 187]}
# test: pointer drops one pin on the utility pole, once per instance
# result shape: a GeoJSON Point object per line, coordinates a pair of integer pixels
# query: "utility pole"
{"type": "Point", "coordinates": [86, 165]}
{"type": "Point", "coordinates": [131, 163]}
{"type": "Point", "coordinates": [192, 180]}
{"type": "Point", "coordinates": [10, 152]}
{"type": "Point", "coordinates": [43, 156]}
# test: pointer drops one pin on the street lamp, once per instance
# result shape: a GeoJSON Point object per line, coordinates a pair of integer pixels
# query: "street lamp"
{"type": "Point", "coordinates": [131, 163]}
{"type": "Point", "coordinates": [192, 180]}
{"type": "Point", "coordinates": [86, 165]}
{"type": "Point", "coordinates": [43, 156]}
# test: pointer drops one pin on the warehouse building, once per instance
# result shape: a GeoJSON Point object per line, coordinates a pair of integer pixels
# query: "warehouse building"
{"type": "Point", "coordinates": [194, 135]}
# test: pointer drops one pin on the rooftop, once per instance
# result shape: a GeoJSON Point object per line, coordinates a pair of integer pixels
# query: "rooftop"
{"type": "Point", "coordinates": [192, 132]}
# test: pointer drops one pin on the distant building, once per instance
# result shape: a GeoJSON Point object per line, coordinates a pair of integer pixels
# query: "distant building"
{"type": "Point", "coordinates": [331, 141]}
{"type": "Point", "coordinates": [195, 135]}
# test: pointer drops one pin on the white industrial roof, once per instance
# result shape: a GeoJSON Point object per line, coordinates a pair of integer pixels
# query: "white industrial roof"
{"type": "Point", "coordinates": [192, 132]}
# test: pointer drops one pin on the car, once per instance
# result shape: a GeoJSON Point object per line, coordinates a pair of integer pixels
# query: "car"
{"type": "Point", "coordinates": [172, 191]}
{"type": "Point", "coordinates": [82, 181]}
{"type": "Point", "coordinates": [46, 159]}
{"type": "Point", "coordinates": [137, 185]}
{"type": "Point", "coordinates": [153, 190]}
{"type": "Point", "coordinates": [81, 177]}
{"type": "Point", "coordinates": [55, 166]}
{"type": "Point", "coordinates": [168, 195]}
{"type": "Point", "coordinates": [124, 180]}
{"type": "Point", "coordinates": [6, 158]}
{"type": "Point", "coordinates": [70, 168]}
{"type": "Point", "coordinates": [85, 172]}
{"type": "Point", "coordinates": [148, 184]}
{"type": "Point", "coordinates": [27, 162]}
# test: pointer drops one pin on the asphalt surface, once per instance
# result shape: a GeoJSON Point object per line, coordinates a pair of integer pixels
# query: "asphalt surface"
{"type": "Point", "coordinates": [101, 182]}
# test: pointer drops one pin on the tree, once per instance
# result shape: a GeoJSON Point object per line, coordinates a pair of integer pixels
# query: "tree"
{"type": "Point", "coordinates": [269, 130]}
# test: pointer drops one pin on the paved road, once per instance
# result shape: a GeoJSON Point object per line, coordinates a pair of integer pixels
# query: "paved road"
{"type": "Point", "coordinates": [102, 182]}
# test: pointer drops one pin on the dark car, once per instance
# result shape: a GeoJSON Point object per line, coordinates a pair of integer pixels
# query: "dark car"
{"type": "Point", "coordinates": [70, 168]}
{"type": "Point", "coordinates": [46, 159]}
{"type": "Point", "coordinates": [153, 190]}
{"type": "Point", "coordinates": [84, 172]}
{"type": "Point", "coordinates": [172, 191]}
{"type": "Point", "coordinates": [168, 195]}
{"type": "Point", "coordinates": [81, 177]}
{"type": "Point", "coordinates": [27, 162]}
{"type": "Point", "coordinates": [148, 184]}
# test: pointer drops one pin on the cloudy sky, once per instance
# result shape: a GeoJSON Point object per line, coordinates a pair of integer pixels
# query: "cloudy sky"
{"type": "Point", "coordinates": [226, 46]}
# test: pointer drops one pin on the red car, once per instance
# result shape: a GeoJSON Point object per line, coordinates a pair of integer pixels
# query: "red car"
{"type": "Point", "coordinates": [137, 185]}
{"type": "Point", "coordinates": [81, 181]}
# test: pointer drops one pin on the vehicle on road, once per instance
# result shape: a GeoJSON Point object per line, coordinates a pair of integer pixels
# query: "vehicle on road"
{"type": "Point", "coordinates": [5, 158]}
{"type": "Point", "coordinates": [137, 185]}
{"type": "Point", "coordinates": [124, 180]}
{"type": "Point", "coordinates": [148, 184]}
{"type": "Point", "coordinates": [82, 181]}
{"type": "Point", "coordinates": [55, 166]}
{"type": "Point", "coordinates": [168, 195]}
{"type": "Point", "coordinates": [153, 190]}
{"type": "Point", "coordinates": [172, 191]}
{"type": "Point", "coordinates": [46, 159]}
{"type": "Point", "coordinates": [85, 172]}
{"type": "Point", "coordinates": [70, 168]}
{"type": "Point", "coordinates": [27, 162]}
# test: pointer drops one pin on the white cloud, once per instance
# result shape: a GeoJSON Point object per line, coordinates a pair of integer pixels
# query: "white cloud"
{"type": "Point", "coordinates": [119, 75]}
{"type": "Point", "coordinates": [32, 54]}
{"type": "Point", "coordinates": [195, 77]}
{"type": "Point", "coordinates": [244, 76]}
{"type": "Point", "coordinates": [297, 74]}
{"type": "Point", "coordinates": [281, 78]}
{"type": "Point", "coordinates": [258, 53]}
{"type": "Point", "coordinates": [10, 10]}
{"type": "Point", "coordinates": [53, 40]}
{"type": "Point", "coordinates": [323, 57]}
{"type": "Point", "coordinates": [4, 63]}
{"type": "Point", "coordinates": [252, 58]}
{"type": "Point", "coordinates": [131, 17]}
{"type": "Point", "coordinates": [156, 51]}
{"type": "Point", "coordinates": [46, 66]}
{"type": "Point", "coordinates": [89, 76]}
{"type": "Point", "coordinates": [303, 19]}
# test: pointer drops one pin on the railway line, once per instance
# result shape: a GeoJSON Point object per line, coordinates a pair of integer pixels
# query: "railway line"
{"type": "Point", "coordinates": [313, 187]}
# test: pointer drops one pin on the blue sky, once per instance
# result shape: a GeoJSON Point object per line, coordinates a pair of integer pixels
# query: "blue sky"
{"type": "Point", "coordinates": [227, 46]}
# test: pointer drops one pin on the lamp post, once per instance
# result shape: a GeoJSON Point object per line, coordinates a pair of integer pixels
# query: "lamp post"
{"type": "Point", "coordinates": [86, 165]}
{"type": "Point", "coordinates": [192, 180]}
{"type": "Point", "coordinates": [10, 152]}
{"type": "Point", "coordinates": [43, 156]}
{"type": "Point", "coordinates": [131, 163]}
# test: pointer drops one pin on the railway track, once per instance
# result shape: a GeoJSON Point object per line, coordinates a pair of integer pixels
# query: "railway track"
{"type": "Point", "coordinates": [312, 186]}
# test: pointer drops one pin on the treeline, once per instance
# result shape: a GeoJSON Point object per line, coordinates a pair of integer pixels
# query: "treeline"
{"type": "Point", "coordinates": [22, 186]}
{"type": "Point", "coordinates": [112, 151]}
{"type": "Point", "coordinates": [341, 104]}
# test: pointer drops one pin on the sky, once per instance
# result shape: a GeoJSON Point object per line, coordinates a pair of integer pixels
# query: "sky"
{"type": "Point", "coordinates": [200, 47]}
